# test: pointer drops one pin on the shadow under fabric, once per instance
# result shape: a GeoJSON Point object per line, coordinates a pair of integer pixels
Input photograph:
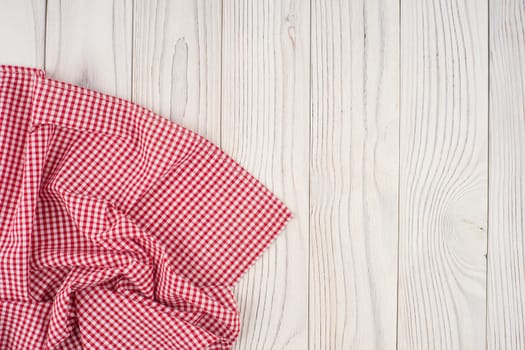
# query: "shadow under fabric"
{"type": "Point", "coordinates": [118, 228]}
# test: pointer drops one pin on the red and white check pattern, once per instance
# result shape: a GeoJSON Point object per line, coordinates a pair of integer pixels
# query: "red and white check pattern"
{"type": "Point", "coordinates": [118, 228]}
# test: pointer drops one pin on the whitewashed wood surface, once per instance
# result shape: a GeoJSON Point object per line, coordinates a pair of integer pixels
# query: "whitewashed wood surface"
{"type": "Point", "coordinates": [394, 130]}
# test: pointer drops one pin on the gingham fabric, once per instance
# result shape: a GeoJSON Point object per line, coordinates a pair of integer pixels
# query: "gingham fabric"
{"type": "Point", "coordinates": [119, 229]}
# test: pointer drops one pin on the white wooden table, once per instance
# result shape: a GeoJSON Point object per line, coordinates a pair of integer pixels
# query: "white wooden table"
{"type": "Point", "coordinates": [395, 130]}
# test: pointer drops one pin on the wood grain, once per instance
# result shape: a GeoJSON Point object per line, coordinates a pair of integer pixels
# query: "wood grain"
{"type": "Point", "coordinates": [506, 245]}
{"type": "Point", "coordinates": [443, 175]}
{"type": "Point", "coordinates": [89, 44]}
{"type": "Point", "coordinates": [22, 32]}
{"type": "Point", "coordinates": [177, 62]}
{"type": "Point", "coordinates": [369, 120]}
{"type": "Point", "coordinates": [354, 168]}
{"type": "Point", "coordinates": [265, 108]}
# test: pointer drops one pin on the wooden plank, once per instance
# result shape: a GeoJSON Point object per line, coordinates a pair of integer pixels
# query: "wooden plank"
{"type": "Point", "coordinates": [177, 61]}
{"type": "Point", "coordinates": [443, 175]}
{"type": "Point", "coordinates": [89, 44]}
{"type": "Point", "coordinates": [354, 169]}
{"type": "Point", "coordinates": [265, 111]}
{"type": "Point", "coordinates": [22, 28]}
{"type": "Point", "coordinates": [506, 245]}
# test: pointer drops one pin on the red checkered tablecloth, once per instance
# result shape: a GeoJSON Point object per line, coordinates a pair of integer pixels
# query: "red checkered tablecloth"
{"type": "Point", "coordinates": [118, 228]}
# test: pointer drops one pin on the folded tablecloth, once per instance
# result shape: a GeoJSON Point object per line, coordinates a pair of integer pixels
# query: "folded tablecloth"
{"type": "Point", "coordinates": [118, 228]}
